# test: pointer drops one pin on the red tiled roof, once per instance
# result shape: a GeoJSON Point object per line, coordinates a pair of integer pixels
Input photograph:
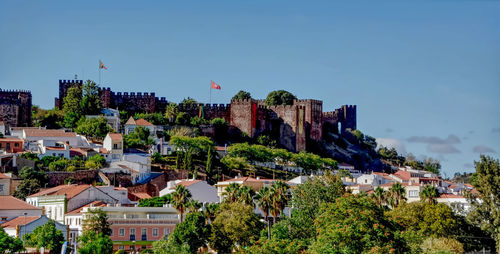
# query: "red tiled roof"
{"type": "Point", "coordinates": [403, 175]}
{"type": "Point", "coordinates": [12, 203]}
{"type": "Point", "coordinates": [448, 195]}
{"type": "Point", "coordinates": [186, 183]}
{"type": "Point", "coordinates": [142, 122]}
{"type": "Point", "coordinates": [70, 190]}
{"type": "Point", "coordinates": [130, 121]}
{"type": "Point", "coordinates": [384, 175]}
{"type": "Point", "coordinates": [141, 195]}
{"type": "Point", "coordinates": [56, 148]}
{"type": "Point", "coordinates": [248, 179]}
{"type": "Point", "coordinates": [48, 133]}
{"type": "Point", "coordinates": [103, 150]}
{"type": "Point", "coordinates": [3, 176]}
{"type": "Point", "coordinates": [94, 204]}
{"type": "Point", "coordinates": [11, 139]}
{"type": "Point", "coordinates": [19, 221]}
{"type": "Point", "coordinates": [115, 136]}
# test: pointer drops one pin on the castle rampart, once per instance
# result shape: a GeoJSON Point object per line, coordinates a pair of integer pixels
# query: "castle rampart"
{"type": "Point", "coordinates": [15, 107]}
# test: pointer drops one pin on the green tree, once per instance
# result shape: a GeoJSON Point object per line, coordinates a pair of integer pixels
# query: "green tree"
{"type": "Point", "coordinates": [442, 245]}
{"type": "Point", "coordinates": [265, 201]}
{"type": "Point", "coordinates": [46, 236]}
{"type": "Point", "coordinates": [245, 195]}
{"type": "Point", "coordinates": [432, 165]}
{"type": "Point", "coordinates": [138, 138]}
{"type": "Point", "coordinates": [396, 195]}
{"type": "Point", "coordinates": [356, 224]}
{"type": "Point", "coordinates": [52, 119]}
{"type": "Point", "coordinates": [193, 206]}
{"type": "Point", "coordinates": [242, 95]}
{"type": "Point", "coordinates": [307, 199]}
{"type": "Point", "coordinates": [380, 196]}
{"type": "Point", "coordinates": [156, 201]}
{"type": "Point", "coordinates": [72, 100]}
{"type": "Point", "coordinates": [486, 180]}
{"type": "Point", "coordinates": [91, 102]}
{"type": "Point", "coordinates": [429, 194]}
{"type": "Point", "coordinates": [193, 231]}
{"type": "Point", "coordinates": [96, 221]}
{"type": "Point", "coordinates": [235, 225]}
{"type": "Point", "coordinates": [95, 162]}
{"type": "Point", "coordinates": [221, 126]}
{"type": "Point", "coordinates": [231, 193]}
{"type": "Point", "coordinates": [93, 243]}
{"type": "Point", "coordinates": [95, 128]}
{"type": "Point", "coordinates": [236, 164]}
{"type": "Point", "coordinates": [9, 244]}
{"type": "Point", "coordinates": [279, 198]}
{"type": "Point", "coordinates": [168, 246]}
{"type": "Point", "coordinates": [26, 188]}
{"type": "Point", "coordinates": [280, 97]}
{"type": "Point", "coordinates": [189, 102]}
{"type": "Point", "coordinates": [71, 119]}
{"type": "Point", "coordinates": [210, 211]}
{"type": "Point", "coordinates": [182, 118]}
{"type": "Point", "coordinates": [171, 112]}
{"type": "Point", "coordinates": [180, 199]}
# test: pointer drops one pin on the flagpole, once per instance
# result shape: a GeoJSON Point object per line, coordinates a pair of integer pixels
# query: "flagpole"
{"type": "Point", "coordinates": [99, 72]}
{"type": "Point", "coordinates": [210, 92]}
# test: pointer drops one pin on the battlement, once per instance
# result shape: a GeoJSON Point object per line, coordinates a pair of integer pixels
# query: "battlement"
{"type": "Point", "coordinates": [70, 82]}
{"type": "Point", "coordinates": [307, 101]}
{"type": "Point", "coordinates": [242, 102]}
{"type": "Point", "coordinates": [207, 106]}
{"type": "Point", "coordinates": [15, 91]}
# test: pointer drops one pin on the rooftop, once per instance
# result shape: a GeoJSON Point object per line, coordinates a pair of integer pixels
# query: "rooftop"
{"type": "Point", "coordinates": [91, 204]}
{"type": "Point", "coordinates": [70, 190]}
{"type": "Point", "coordinates": [48, 133]}
{"type": "Point", "coordinates": [142, 122]}
{"type": "Point", "coordinates": [19, 221]}
{"type": "Point", "coordinates": [12, 203]}
{"type": "Point", "coordinates": [115, 136]}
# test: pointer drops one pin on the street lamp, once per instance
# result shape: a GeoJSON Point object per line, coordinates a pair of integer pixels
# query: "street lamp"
{"type": "Point", "coordinates": [133, 246]}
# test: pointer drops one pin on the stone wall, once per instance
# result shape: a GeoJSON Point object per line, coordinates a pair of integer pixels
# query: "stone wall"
{"type": "Point", "coordinates": [15, 107]}
{"type": "Point", "coordinates": [79, 177]}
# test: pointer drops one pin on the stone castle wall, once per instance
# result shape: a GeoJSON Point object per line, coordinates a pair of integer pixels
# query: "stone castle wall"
{"type": "Point", "coordinates": [15, 107]}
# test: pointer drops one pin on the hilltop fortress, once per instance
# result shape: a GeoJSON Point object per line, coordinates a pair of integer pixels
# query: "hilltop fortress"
{"type": "Point", "coordinates": [15, 107]}
{"type": "Point", "coordinates": [294, 126]}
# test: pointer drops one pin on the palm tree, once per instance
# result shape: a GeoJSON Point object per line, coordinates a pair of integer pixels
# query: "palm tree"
{"type": "Point", "coordinates": [171, 112]}
{"type": "Point", "coordinates": [180, 198]}
{"type": "Point", "coordinates": [209, 211]}
{"type": "Point", "coordinates": [397, 194]}
{"type": "Point", "coordinates": [279, 198]}
{"type": "Point", "coordinates": [264, 200]}
{"type": "Point", "coordinates": [193, 206]}
{"type": "Point", "coordinates": [380, 196]}
{"type": "Point", "coordinates": [245, 195]}
{"type": "Point", "coordinates": [231, 193]}
{"type": "Point", "coordinates": [429, 193]}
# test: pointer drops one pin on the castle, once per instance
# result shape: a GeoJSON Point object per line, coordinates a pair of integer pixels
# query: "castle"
{"type": "Point", "coordinates": [15, 107]}
{"type": "Point", "coordinates": [294, 126]}
{"type": "Point", "coordinates": [134, 102]}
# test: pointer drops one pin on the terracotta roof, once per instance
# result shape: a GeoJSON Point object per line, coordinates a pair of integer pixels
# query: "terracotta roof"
{"type": "Point", "coordinates": [384, 175]}
{"type": "Point", "coordinates": [115, 136]}
{"type": "Point", "coordinates": [391, 184]}
{"type": "Point", "coordinates": [48, 133]}
{"type": "Point", "coordinates": [141, 195]}
{"type": "Point", "coordinates": [55, 148]}
{"type": "Point", "coordinates": [403, 175]}
{"type": "Point", "coordinates": [12, 203]}
{"type": "Point", "coordinates": [130, 121]}
{"type": "Point", "coordinates": [3, 176]}
{"type": "Point", "coordinates": [186, 183]}
{"type": "Point", "coordinates": [19, 221]}
{"type": "Point", "coordinates": [220, 148]}
{"type": "Point", "coordinates": [103, 150]}
{"type": "Point", "coordinates": [142, 122]}
{"type": "Point", "coordinates": [70, 190]}
{"type": "Point", "coordinates": [448, 195]}
{"type": "Point", "coordinates": [94, 204]}
{"type": "Point", "coordinates": [11, 139]}
{"type": "Point", "coordinates": [248, 179]}
{"type": "Point", "coordinates": [26, 128]}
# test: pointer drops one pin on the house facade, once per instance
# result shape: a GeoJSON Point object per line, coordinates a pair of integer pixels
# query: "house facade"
{"type": "Point", "coordinates": [12, 207]}
{"type": "Point", "coordinates": [113, 143]}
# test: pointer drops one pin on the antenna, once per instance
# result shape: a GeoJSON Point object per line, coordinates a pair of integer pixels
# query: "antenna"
{"type": "Point", "coordinates": [76, 77]}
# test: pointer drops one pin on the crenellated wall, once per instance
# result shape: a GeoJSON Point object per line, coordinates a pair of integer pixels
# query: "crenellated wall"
{"type": "Point", "coordinates": [15, 107]}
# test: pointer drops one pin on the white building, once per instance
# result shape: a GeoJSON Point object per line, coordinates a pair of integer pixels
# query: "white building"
{"type": "Point", "coordinates": [374, 179]}
{"type": "Point", "coordinates": [113, 145]}
{"type": "Point", "coordinates": [57, 201]}
{"type": "Point", "coordinates": [112, 117]}
{"type": "Point", "coordinates": [131, 124]}
{"type": "Point", "coordinates": [458, 203]}
{"type": "Point", "coordinates": [137, 165]}
{"type": "Point", "coordinates": [23, 225]}
{"type": "Point", "coordinates": [73, 139]}
{"type": "Point", "coordinates": [11, 207]}
{"type": "Point", "coordinates": [200, 190]}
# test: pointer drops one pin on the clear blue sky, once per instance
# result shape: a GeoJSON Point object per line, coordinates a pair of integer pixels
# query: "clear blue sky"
{"type": "Point", "coordinates": [424, 74]}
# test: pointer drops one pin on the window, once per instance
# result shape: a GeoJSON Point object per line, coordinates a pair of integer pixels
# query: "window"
{"type": "Point", "coordinates": [4, 218]}
{"type": "Point", "coordinates": [155, 232]}
{"type": "Point", "coordinates": [8, 146]}
{"type": "Point", "coordinates": [111, 233]}
{"type": "Point", "coordinates": [366, 180]}
{"type": "Point", "coordinates": [413, 193]}
{"type": "Point", "coordinates": [132, 231]}
{"type": "Point", "coordinates": [16, 144]}
{"type": "Point", "coordinates": [144, 234]}
{"type": "Point", "coordinates": [166, 231]}
{"type": "Point", "coordinates": [121, 232]}
{"type": "Point", "coordinates": [121, 247]}
{"type": "Point", "coordinates": [115, 146]}
{"type": "Point", "coordinates": [1, 187]}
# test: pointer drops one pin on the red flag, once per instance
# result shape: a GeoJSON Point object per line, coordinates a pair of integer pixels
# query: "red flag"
{"type": "Point", "coordinates": [215, 86]}
{"type": "Point", "coordinates": [101, 65]}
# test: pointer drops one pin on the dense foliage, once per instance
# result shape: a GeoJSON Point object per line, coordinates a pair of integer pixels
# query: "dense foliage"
{"type": "Point", "coordinates": [280, 97]}
{"type": "Point", "coordinates": [46, 236]}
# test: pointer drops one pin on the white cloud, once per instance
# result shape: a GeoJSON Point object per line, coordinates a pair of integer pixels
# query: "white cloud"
{"type": "Point", "coordinates": [391, 143]}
